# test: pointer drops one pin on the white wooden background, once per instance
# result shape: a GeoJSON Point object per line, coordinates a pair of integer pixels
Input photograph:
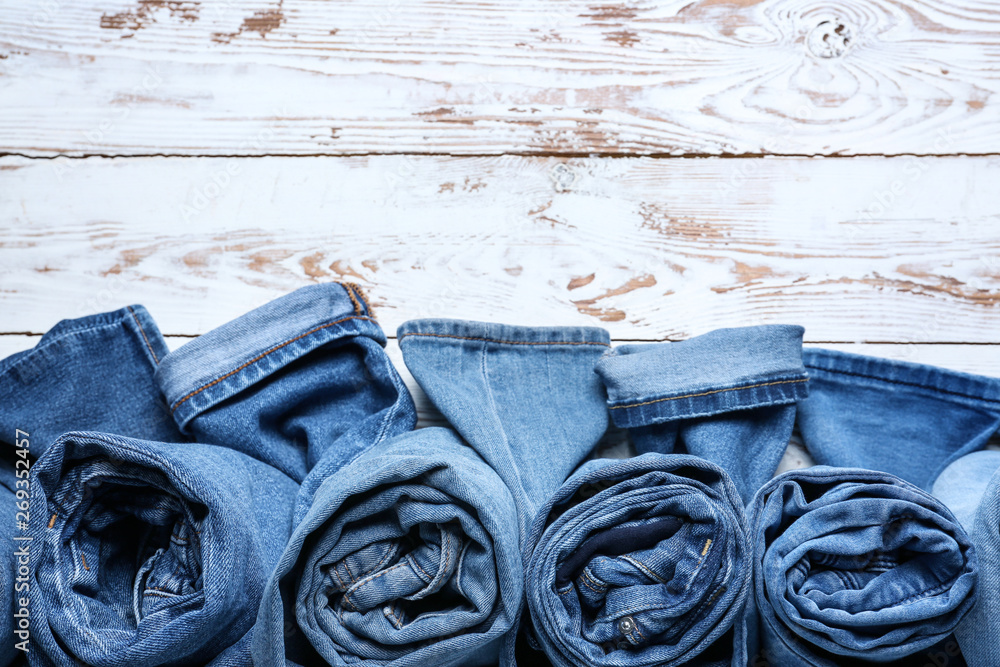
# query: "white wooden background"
{"type": "Point", "coordinates": [657, 168]}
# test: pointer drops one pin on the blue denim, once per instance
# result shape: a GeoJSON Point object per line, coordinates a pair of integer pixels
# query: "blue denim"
{"type": "Point", "coordinates": [301, 383]}
{"type": "Point", "coordinates": [637, 562]}
{"type": "Point", "coordinates": [389, 524]}
{"type": "Point", "coordinates": [407, 556]}
{"type": "Point", "coordinates": [907, 419]}
{"type": "Point", "coordinates": [727, 396]}
{"type": "Point", "coordinates": [94, 372]}
{"type": "Point", "coordinates": [970, 487]}
{"type": "Point", "coordinates": [151, 553]}
{"type": "Point", "coordinates": [525, 398]}
{"type": "Point", "coordinates": [853, 564]}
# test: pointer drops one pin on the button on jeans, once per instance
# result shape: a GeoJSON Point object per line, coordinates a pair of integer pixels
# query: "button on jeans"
{"type": "Point", "coordinates": [852, 563]}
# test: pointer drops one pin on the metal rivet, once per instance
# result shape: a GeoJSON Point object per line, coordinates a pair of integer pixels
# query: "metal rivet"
{"type": "Point", "coordinates": [626, 625]}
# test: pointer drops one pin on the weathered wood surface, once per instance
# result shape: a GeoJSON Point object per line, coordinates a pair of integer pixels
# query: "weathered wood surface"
{"type": "Point", "coordinates": [128, 77]}
{"type": "Point", "coordinates": [856, 250]}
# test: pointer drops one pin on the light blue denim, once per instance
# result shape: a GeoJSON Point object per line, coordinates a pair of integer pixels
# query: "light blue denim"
{"type": "Point", "coordinates": [854, 565]}
{"type": "Point", "coordinates": [410, 555]}
{"type": "Point", "coordinates": [640, 562]}
{"type": "Point", "coordinates": [301, 383]}
{"type": "Point", "coordinates": [971, 488]}
{"type": "Point", "coordinates": [727, 396]}
{"type": "Point", "coordinates": [911, 420]}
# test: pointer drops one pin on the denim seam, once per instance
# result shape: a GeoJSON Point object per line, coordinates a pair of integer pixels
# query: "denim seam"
{"type": "Point", "coordinates": [4, 369]}
{"type": "Point", "coordinates": [143, 332]}
{"type": "Point", "coordinates": [422, 570]}
{"type": "Point", "coordinates": [368, 580]}
{"type": "Point", "coordinates": [505, 342]}
{"type": "Point", "coordinates": [644, 568]}
{"type": "Point", "coordinates": [601, 585]}
{"type": "Point", "coordinates": [707, 393]}
{"type": "Point", "coordinates": [388, 553]}
{"type": "Point", "coordinates": [908, 384]}
{"type": "Point", "coordinates": [236, 370]}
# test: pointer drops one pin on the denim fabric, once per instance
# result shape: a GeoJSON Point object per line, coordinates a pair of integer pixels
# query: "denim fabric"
{"type": "Point", "coordinates": [853, 564]}
{"type": "Point", "coordinates": [94, 372]}
{"type": "Point", "coordinates": [91, 373]}
{"type": "Point", "coordinates": [727, 396]}
{"type": "Point", "coordinates": [408, 556]}
{"type": "Point", "coordinates": [151, 553]}
{"type": "Point", "coordinates": [301, 383]}
{"type": "Point", "coordinates": [638, 562]}
{"type": "Point", "coordinates": [970, 487]}
{"type": "Point", "coordinates": [525, 398]}
{"type": "Point", "coordinates": [907, 419]}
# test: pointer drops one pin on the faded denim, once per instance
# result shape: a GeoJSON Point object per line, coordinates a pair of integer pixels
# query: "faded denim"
{"type": "Point", "coordinates": [853, 564]}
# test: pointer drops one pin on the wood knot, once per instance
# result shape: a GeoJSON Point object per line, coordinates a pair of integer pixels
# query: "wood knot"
{"type": "Point", "coordinates": [829, 39]}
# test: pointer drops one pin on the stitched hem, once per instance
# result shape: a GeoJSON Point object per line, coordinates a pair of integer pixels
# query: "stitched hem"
{"type": "Point", "coordinates": [219, 379]}
{"type": "Point", "coordinates": [706, 393]}
{"type": "Point", "coordinates": [505, 342]}
{"type": "Point", "coordinates": [905, 383]}
{"type": "Point", "coordinates": [143, 332]}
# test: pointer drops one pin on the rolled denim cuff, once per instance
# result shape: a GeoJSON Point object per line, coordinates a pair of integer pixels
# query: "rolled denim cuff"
{"type": "Point", "coordinates": [641, 562]}
{"type": "Point", "coordinates": [854, 563]}
{"type": "Point", "coordinates": [721, 371]}
{"type": "Point", "coordinates": [225, 361]}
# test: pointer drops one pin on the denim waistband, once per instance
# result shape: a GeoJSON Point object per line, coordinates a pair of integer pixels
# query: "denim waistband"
{"type": "Point", "coordinates": [721, 371]}
{"type": "Point", "coordinates": [230, 358]}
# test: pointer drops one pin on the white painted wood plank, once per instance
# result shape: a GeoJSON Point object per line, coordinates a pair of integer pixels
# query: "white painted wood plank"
{"type": "Point", "coordinates": [499, 76]}
{"type": "Point", "coordinates": [860, 250]}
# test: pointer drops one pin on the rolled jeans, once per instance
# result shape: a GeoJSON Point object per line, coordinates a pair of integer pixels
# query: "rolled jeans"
{"type": "Point", "coordinates": [853, 564]}
{"type": "Point", "coordinates": [639, 562]}
{"type": "Point", "coordinates": [411, 554]}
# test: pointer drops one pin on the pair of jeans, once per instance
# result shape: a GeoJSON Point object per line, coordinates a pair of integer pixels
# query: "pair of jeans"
{"type": "Point", "coordinates": [646, 561]}
{"type": "Point", "coordinates": [140, 552]}
{"type": "Point", "coordinates": [411, 554]}
{"type": "Point", "coordinates": [854, 558]}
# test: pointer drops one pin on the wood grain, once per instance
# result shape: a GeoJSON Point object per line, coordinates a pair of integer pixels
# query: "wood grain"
{"type": "Point", "coordinates": [861, 250]}
{"type": "Point", "coordinates": [217, 77]}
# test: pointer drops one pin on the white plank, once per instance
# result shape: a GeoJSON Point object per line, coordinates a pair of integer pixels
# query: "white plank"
{"type": "Point", "coordinates": [499, 76]}
{"type": "Point", "coordinates": [650, 249]}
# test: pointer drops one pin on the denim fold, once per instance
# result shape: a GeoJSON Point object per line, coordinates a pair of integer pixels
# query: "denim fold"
{"type": "Point", "coordinates": [408, 556]}
{"type": "Point", "coordinates": [728, 396]}
{"type": "Point", "coordinates": [148, 553]}
{"type": "Point", "coordinates": [639, 562]}
{"type": "Point", "coordinates": [854, 564]}
{"type": "Point", "coordinates": [970, 487]}
{"type": "Point", "coordinates": [911, 420]}
{"type": "Point", "coordinates": [301, 383]}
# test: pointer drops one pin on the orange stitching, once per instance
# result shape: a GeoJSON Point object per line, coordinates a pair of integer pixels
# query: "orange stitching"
{"type": "Point", "coordinates": [708, 543]}
{"type": "Point", "coordinates": [352, 296]}
{"type": "Point", "coordinates": [706, 393]}
{"type": "Point", "coordinates": [143, 332]}
{"type": "Point", "coordinates": [262, 355]}
{"type": "Point", "coordinates": [52, 521]}
{"type": "Point", "coordinates": [362, 582]}
{"type": "Point", "coordinates": [414, 561]}
{"type": "Point", "coordinates": [83, 557]}
{"type": "Point", "coordinates": [503, 342]}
